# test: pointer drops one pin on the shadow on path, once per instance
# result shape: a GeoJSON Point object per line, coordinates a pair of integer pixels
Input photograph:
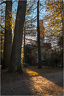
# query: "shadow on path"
{"type": "Point", "coordinates": [15, 84]}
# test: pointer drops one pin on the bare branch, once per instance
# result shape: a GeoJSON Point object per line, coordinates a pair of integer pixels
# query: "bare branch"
{"type": "Point", "coordinates": [2, 2]}
{"type": "Point", "coordinates": [2, 26]}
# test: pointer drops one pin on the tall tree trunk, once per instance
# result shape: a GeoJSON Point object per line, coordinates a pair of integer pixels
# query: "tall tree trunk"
{"type": "Point", "coordinates": [38, 38]}
{"type": "Point", "coordinates": [15, 64]}
{"type": "Point", "coordinates": [63, 30]}
{"type": "Point", "coordinates": [8, 34]}
{"type": "Point", "coordinates": [24, 44]}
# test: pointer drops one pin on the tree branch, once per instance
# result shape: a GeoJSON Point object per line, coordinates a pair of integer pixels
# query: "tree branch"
{"type": "Point", "coordinates": [2, 2]}
{"type": "Point", "coordinates": [2, 26]}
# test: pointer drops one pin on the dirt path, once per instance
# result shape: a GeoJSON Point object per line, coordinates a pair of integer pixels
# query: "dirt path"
{"type": "Point", "coordinates": [47, 82]}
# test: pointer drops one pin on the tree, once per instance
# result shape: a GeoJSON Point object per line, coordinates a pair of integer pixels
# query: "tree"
{"type": "Point", "coordinates": [15, 63]}
{"type": "Point", "coordinates": [60, 42]}
{"type": "Point", "coordinates": [38, 38]}
{"type": "Point", "coordinates": [24, 44]}
{"type": "Point", "coordinates": [28, 54]}
{"type": "Point", "coordinates": [8, 34]}
{"type": "Point", "coordinates": [53, 17]}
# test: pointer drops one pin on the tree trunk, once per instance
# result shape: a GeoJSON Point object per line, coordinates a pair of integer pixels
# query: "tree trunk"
{"type": "Point", "coordinates": [8, 34]}
{"type": "Point", "coordinates": [24, 44]}
{"type": "Point", "coordinates": [38, 38]}
{"type": "Point", "coordinates": [63, 30]}
{"type": "Point", "coordinates": [15, 63]}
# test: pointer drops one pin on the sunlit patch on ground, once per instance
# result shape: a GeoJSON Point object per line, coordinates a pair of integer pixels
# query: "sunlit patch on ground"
{"type": "Point", "coordinates": [44, 86]}
{"type": "Point", "coordinates": [31, 73]}
{"type": "Point", "coordinates": [41, 85]}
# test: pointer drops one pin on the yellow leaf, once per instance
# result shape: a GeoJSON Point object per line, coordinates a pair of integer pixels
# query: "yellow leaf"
{"type": "Point", "coordinates": [12, 27]}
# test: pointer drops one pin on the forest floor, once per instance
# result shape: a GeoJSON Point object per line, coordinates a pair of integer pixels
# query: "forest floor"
{"type": "Point", "coordinates": [33, 81]}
